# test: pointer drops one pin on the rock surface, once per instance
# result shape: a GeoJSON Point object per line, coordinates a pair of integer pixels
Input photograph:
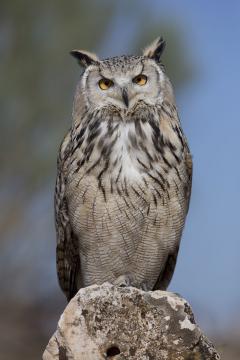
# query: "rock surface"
{"type": "Point", "coordinates": [107, 322]}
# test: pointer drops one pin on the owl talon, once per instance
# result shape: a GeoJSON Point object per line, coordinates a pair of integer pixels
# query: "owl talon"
{"type": "Point", "coordinates": [123, 281]}
{"type": "Point", "coordinates": [144, 287]}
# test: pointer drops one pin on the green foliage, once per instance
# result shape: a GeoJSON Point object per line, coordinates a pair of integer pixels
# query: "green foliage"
{"type": "Point", "coordinates": [38, 77]}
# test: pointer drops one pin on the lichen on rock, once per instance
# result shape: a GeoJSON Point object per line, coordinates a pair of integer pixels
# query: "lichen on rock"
{"type": "Point", "coordinates": [107, 322]}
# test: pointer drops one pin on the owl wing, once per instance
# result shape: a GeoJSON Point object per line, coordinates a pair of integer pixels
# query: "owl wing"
{"type": "Point", "coordinates": [189, 168]}
{"type": "Point", "coordinates": [68, 261]}
{"type": "Point", "coordinates": [168, 270]}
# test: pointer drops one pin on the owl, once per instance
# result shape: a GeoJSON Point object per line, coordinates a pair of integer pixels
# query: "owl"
{"type": "Point", "coordinates": [123, 176]}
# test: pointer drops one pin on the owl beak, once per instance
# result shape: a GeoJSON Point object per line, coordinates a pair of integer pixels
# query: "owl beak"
{"type": "Point", "coordinates": [125, 97]}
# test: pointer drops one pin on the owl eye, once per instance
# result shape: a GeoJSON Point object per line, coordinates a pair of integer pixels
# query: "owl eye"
{"type": "Point", "coordinates": [105, 84]}
{"type": "Point", "coordinates": [140, 80]}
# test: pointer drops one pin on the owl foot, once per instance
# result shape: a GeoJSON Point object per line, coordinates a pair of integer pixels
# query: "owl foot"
{"type": "Point", "coordinates": [124, 281]}
{"type": "Point", "coordinates": [144, 286]}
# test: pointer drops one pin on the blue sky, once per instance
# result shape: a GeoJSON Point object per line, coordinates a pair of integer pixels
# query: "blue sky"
{"type": "Point", "coordinates": [208, 266]}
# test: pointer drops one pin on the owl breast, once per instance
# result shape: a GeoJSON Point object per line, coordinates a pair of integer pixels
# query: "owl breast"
{"type": "Point", "coordinates": [126, 201]}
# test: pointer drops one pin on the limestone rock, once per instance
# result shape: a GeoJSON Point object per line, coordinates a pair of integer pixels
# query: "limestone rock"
{"type": "Point", "coordinates": [107, 322]}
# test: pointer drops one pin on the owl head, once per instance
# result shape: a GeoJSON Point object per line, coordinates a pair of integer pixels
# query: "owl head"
{"type": "Point", "coordinates": [122, 82]}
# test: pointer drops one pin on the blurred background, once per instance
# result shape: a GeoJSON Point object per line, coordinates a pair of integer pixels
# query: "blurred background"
{"type": "Point", "coordinates": [38, 78]}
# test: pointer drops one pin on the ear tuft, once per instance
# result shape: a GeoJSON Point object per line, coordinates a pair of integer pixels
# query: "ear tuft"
{"type": "Point", "coordinates": [155, 49]}
{"type": "Point", "coordinates": [84, 58]}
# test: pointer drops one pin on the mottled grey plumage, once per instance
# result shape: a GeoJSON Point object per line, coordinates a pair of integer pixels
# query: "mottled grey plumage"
{"type": "Point", "coordinates": [124, 176]}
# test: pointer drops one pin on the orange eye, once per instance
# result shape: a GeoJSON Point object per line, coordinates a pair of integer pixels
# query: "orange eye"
{"type": "Point", "coordinates": [105, 84]}
{"type": "Point", "coordinates": [140, 80]}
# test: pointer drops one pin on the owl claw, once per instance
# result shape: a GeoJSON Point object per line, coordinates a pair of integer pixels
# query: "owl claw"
{"type": "Point", "coordinates": [124, 281]}
{"type": "Point", "coordinates": [144, 287]}
{"type": "Point", "coordinates": [129, 280]}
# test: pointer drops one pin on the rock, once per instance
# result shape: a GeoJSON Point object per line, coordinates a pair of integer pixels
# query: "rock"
{"type": "Point", "coordinates": [107, 322]}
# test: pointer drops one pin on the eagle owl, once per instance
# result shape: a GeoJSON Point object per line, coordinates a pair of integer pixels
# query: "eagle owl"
{"type": "Point", "coordinates": [124, 176]}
